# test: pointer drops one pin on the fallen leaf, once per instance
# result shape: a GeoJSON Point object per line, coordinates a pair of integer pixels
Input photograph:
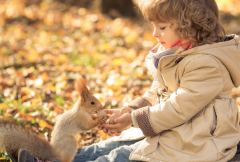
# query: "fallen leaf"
{"type": "Point", "coordinates": [43, 124]}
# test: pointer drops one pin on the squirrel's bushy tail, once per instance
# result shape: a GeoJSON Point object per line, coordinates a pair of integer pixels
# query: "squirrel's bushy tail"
{"type": "Point", "coordinates": [14, 137]}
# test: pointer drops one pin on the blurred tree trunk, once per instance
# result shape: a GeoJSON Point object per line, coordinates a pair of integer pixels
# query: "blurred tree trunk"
{"type": "Point", "coordinates": [78, 3]}
{"type": "Point", "coordinates": [116, 8]}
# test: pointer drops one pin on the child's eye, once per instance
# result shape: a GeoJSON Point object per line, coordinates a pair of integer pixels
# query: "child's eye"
{"type": "Point", "coordinates": [162, 28]}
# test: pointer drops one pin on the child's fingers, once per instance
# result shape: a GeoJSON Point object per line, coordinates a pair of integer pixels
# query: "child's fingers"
{"type": "Point", "coordinates": [118, 133]}
{"type": "Point", "coordinates": [108, 111]}
{"type": "Point", "coordinates": [110, 133]}
{"type": "Point", "coordinates": [111, 111]}
{"type": "Point", "coordinates": [105, 130]}
{"type": "Point", "coordinates": [112, 127]}
{"type": "Point", "coordinates": [100, 127]}
{"type": "Point", "coordinates": [122, 118]}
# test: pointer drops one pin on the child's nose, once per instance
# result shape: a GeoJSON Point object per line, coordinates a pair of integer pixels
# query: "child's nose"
{"type": "Point", "coordinates": [155, 33]}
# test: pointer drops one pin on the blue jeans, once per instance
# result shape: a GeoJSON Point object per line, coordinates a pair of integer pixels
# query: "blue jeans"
{"type": "Point", "coordinates": [107, 150]}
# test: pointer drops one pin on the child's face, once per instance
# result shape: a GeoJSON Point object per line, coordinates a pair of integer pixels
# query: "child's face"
{"type": "Point", "coordinates": [165, 35]}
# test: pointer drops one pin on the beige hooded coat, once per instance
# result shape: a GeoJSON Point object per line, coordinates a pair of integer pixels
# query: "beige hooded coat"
{"type": "Point", "coordinates": [193, 117]}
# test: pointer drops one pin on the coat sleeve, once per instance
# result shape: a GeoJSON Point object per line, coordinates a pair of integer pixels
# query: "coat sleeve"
{"type": "Point", "coordinates": [148, 99]}
{"type": "Point", "coordinates": [200, 83]}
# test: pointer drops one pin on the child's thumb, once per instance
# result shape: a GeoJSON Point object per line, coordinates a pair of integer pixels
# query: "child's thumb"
{"type": "Point", "coordinates": [116, 120]}
{"type": "Point", "coordinates": [120, 119]}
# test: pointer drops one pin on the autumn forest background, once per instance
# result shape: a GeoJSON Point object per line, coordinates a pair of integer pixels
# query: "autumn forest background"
{"type": "Point", "coordinates": [46, 44]}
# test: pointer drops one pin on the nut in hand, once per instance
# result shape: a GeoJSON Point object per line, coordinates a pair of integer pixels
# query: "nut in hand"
{"type": "Point", "coordinates": [112, 117]}
{"type": "Point", "coordinates": [125, 110]}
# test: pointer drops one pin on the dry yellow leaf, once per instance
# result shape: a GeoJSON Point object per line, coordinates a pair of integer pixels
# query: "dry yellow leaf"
{"type": "Point", "coordinates": [119, 61]}
{"type": "Point", "coordinates": [99, 56]}
{"type": "Point", "coordinates": [62, 58]}
{"type": "Point", "coordinates": [130, 54]}
{"type": "Point", "coordinates": [105, 46]}
{"type": "Point", "coordinates": [131, 37]}
{"type": "Point", "coordinates": [3, 106]}
{"type": "Point", "coordinates": [7, 115]}
{"type": "Point", "coordinates": [32, 55]}
{"type": "Point", "coordinates": [125, 72]}
{"type": "Point", "coordinates": [119, 81]}
{"type": "Point", "coordinates": [43, 124]}
{"type": "Point", "coordinates": [91, 70]}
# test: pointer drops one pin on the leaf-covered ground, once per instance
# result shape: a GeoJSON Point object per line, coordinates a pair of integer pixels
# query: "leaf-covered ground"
{"type": "Point", "coordinates": [45, 45]}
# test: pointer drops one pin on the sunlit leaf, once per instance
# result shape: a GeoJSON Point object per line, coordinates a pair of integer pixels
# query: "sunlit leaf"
{"type": "Point", "coordinates": [62, 58]}
{"type": "Point", "coordinates": [43, 123]}
{"type": "Point", "coordinates": [105, 46]}
{"type": "Point", "coordinates": [50, 127]}
{"type": "Point", "coordinates": [130, 54]}
{"type": "Point", "coordinates": [7, 115]}
{"type": "Point", "coordinates": [58, 110]}
{"type": "Point", "coordinates": [3, 106]}
{"type": "Point", "coordinates": [119, 61]}
{"type": "Point", "coordinates": [29, 118]}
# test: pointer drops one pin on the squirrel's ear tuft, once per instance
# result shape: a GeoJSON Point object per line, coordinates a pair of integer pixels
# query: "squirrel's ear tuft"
{"type": "Point", "coordinates": [82, 89]}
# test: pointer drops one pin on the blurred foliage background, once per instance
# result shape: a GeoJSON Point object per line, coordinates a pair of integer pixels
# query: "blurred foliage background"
{"type": "Point", "coordinates": [46, 44]}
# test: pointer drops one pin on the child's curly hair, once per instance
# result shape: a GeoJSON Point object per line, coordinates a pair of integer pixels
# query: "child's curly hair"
{"type": "Point", "coordinates": [197, 20]}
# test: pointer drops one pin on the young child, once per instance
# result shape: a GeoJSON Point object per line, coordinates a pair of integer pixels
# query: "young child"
{"type": "Point", "coordinates": [188, 114]}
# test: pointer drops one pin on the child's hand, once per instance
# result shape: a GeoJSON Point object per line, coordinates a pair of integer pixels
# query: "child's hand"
{"type": "Point", "coordinates": [122, 123]}
{"type": "Point", "coordinates": [101, 127]}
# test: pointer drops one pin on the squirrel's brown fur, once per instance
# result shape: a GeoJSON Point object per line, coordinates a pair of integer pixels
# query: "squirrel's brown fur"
{"type": "Point", "coordinates": [63, 146]}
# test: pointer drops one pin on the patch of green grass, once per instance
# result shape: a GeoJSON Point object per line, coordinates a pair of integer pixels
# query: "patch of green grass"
{"type": "Point", "coordinates": [60, 100]}
{"type": "Point", "coordinates": [3, 154]}
{"type": "Point", "coordinates": [7, 52]}
{"type": "Point", "coordinates": [83, 59]}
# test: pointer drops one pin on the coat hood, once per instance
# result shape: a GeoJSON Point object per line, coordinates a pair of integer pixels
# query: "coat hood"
{"type": "Point", "coordinates": [228, 52]}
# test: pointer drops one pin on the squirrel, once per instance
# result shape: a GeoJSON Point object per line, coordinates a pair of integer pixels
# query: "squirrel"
{"type": "Point", "coordinates": [63, 145]}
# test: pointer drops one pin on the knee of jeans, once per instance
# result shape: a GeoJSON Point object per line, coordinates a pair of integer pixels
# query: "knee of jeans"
{"type": "Point", "coordinates": [122, 152]}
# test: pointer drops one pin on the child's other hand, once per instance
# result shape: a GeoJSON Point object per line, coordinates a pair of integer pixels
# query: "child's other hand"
{"type": "Point", "coordinates": [109, 132]}
{"type": "Point", "coordinates": [105, 130]}
{"type": "Point", "coordinates": [122, 123]}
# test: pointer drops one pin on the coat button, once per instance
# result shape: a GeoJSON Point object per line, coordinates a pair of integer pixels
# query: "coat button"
{"type": "Point", "coordinates": [178, 60]}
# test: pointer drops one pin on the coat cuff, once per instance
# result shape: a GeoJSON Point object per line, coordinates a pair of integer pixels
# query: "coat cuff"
{"type": "Point", "coordinates": [134, 120]}
{"type": "Point", "coordinates": [139, 102]}
{"type": "Point", "coordinates": [142, 117]}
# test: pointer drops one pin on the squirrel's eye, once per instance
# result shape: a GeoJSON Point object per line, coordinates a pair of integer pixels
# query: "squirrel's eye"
{"type": "Point", "coordinates": [92, 103]}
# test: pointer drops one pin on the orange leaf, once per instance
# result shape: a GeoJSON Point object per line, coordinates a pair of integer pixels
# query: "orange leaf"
{"type": "Point", "coordinates": [58, 110]}
{"type": "Point", "coordinates": [28, 118]}
{"type": "Point", "coordinates": [50, 127]}
{"type": "Point", "coordinates": [45, 76]}
{"type": "Point", "coordinates": [24, 98]}
{"type": "Point", "coordinates": [22, 115]}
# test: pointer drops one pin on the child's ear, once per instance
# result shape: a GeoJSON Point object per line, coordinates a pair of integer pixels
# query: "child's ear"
{"type": "Point", "coordinates": [82, 90]}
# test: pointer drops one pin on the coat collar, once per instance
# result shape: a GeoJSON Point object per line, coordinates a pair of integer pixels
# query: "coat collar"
{"type": "Point", "coordinates": [228, 52]}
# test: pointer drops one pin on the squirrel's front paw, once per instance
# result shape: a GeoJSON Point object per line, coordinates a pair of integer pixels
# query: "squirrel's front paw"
{"type": "Point", "coordinates": [102, 119]}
